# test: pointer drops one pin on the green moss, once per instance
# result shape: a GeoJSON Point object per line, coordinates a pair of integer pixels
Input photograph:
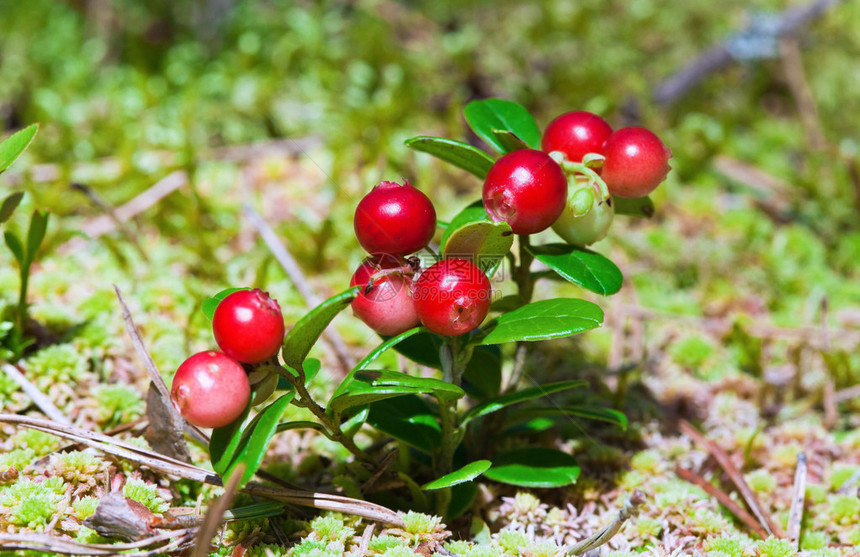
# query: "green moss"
{"type": "Point", "coordinates": [399, 552]}
{"type": "Point", "coordinates": [732, 546]}
{"type": "Point", "coordinates": [814, 540]}
{"type": "Point", "coordinates": [647, 462]}
{"type": "Point", "coordinates": [775, 547]}
{"type": "Point", "coordinates": [33, 504]}
{"type": "Point", "coordinates": [647, 527]}
{"type": "Point", "coordinates": [761, 481]}
{"type": "Point", "coordinates": [692, 352]}
{"type": "Point", "coordinates": [59, 363]}
{"type": "Point", "coordinates": [844, 509]}
{"type": "Point", "coordinates": [139, 491]}
{"type": "Point", "coordinates": [842, 473]}
{"type": "Point", "coordinates": [380, 544]}
{"type": "Point", "coordinates": [42, 443]}
{"type": "Point", "coordinates": [85, 507]}
{"type": "Point", "coordinates": [78, 465]}
{"type": "Point", "coordinates": [417, 523]}
{"type": "Point", "coordinates": [458, 547]}
{"type": "Point", "coordinates": [510, 541]}
{"type": "Point", "coordinates": [816, 493]}
{"type": "Point", "coordinates": [331, 528]}
{"type": "Point", "coordinates": [118, 404]}
{"type": "Point", "coordinates": [17, 458]}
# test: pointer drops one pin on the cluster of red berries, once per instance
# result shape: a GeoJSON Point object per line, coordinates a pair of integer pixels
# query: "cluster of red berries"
{"type": "Point", "coordinates": [211, 388]}
{"type": "Point", "coordinates": [451, 297]}
{"type": "Point", "coordinates": [529, 190]}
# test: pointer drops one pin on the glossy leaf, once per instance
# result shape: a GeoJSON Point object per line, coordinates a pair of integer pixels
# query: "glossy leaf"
{"type": "Point", "coordinates": [474, 212]}
{"type": "Point", "coordinates": [482, 378]}
{"type": "Point", "coordinates": [36, 233]}
{"type": "Point", "coordinates": [263, 509]}
{"type": "Point", "coordinates": [15, 144]}
{"type": "Point", "coordinates": [210, 304]}
{"type": "Point", "coordinates": [299, 424]}
{"type": "Point", "coordinates": [465, 474]}
{"type": "Point", "coordinates": [634, 206]}
{"type": "Point", "coordinates": [311, 368]}
{"type": "Point", "coordinates": [224, 441]}
{"type": "Point", "coordinates": [462, 155]}
{"type": "Point", "coordinates": [529, 427]}
{"type": "Point", "coordinates": [487, 115]}
{"type": "Point", "coordinates": [351, 426]}
{"type": "Point", "coordinates": [509, 141]}
{"type": "Point", "coordinates": [589, 412]}
{"type": "Point", "coordinates": [422, 348]}
{"type": "Point", "coordinates": [16, 247]}
{"type": "Point", "coordinates": [10, 203]}
{"type": "Point", "coordinates": [580, 266]}
{"type": "Point", "coordinates": [542, 320]}
{"type": "Point", "coordinates": [483, 243]}
{"type": "Point", "coordinates": [369, 386]}
{"type": "Point", "coordinates": [517, 397]}
{"type": "Point", "coordinates": [507, 303]}
{"type": "Point", "coordinates": [462, 497]}
{"type": "Point", "coordinates": [534, 467]}
{"type": "Point", "coordinates": [409, 419]}
{"type": "Point", "coordinates": [304, 334]}
{"type": "Point", "coordinates": [374, 355]}
{"type": "Point", "coordinates": [256, 437]}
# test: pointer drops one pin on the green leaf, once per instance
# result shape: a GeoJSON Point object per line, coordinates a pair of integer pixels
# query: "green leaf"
{"type": "Point", "coordinates": [311, 368]}
{"type": "Point", "coordinates": [304, 334]}
{"type": "Point", "coordinates": [482, 377]}
{"type": "Point", "coordinates": [36, 233]}
{"type": "Point", "coordinates": [545, 319]}
{"type": "Point", "coordinates": [471, 233]}
{"type": "Point", "coordinates": [462, 155]}
{"type": "Point", "coordinates": [534, 467]}
{"type": "Point", "coordinates": [499, 114]}
{"type": "Point", "coordinates": [351, 426]}
{"type": "Point", "coordinates": [465, 474]}
{"type": "Point", "coordinates": [15, 247]}
{"type": "Point", "coordinates": [299, 424]}
{"type": "Point", "coordinates": [509, 141]}
{"type": "Point", "coordinates": [473, 212]}
{"type": "Point", "coordinates": [10, 203]}
{"type": "Point", "coordinates": [529, 427]}
{"type": "Point", "coordinates": [508, 303]}
{"type": "Point", "coordinates": [264, 509]}
{"type": "Point", "coordinates": [384, 378]}
{"type": "Point", "coordinates": [462, 497]}
{"type": "Point", "coordinates": [224, 441]}
{"type": "Point", "coordinates": [16, 144]}
{"type": "Point", "coordinates": [517, 397]}
{"type": "Point", "coordinates": [422, 348]}
{"type": "Point", "coordinates": [373, 355]}
{"type": "Point", "coordinates": [634, 206]}
{"type": "Point", "coordinates": [368, 386]}
{"type": "Point", "coordinates": [256, 438]}
{"type": "Point", "coordinates": [210, 304]}
{"type": "Point", "coordinates": [583, 267]}
{"type": "Point", "coordinates": [409, 419]}
{"type": "Point", "coordinates": [589, 412]}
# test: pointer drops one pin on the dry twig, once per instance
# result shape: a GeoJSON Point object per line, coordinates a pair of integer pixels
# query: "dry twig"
{"type": "Point", "coordinates": [771, 527]}
{"type": "Point", "coordinates": [795, 514]}
{"type": "Point", "coordinates": [215, 515]}
{"type": "Point", "coordinates": [630, 509]}
{"type": "Point", "coordinates": [724, 499]}
{"type": "Point", "coordinates": [43, 402]}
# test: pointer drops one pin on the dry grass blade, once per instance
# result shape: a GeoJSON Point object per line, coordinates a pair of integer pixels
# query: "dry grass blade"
{"type": "Point", "coordinates": [44, 542]}
{"type": "Point", "coordinates": [168, 465]}
{"type": "Point", "coordinates": [795, 513]}
{"type": "Point", "coordinates": [169, 438]}
{"type": "Point", "coordinates": [723, 498]}
{"type": "Point", "coordinates": [43, 402]}
{"type": "Point", "coordinates": [771, 527]}
{"type": "Point", "coordinates": [630, 509]}
{"type": "Point", "coordinates": [215, 515]}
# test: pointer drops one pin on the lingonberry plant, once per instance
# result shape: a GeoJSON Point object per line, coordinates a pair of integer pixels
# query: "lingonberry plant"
{"type": "Point", "coordinates": [439, 311]}
{"type": "Point", "coordinates": [248, 326]}
{"type": "Point", "coordinates": [210, 389]}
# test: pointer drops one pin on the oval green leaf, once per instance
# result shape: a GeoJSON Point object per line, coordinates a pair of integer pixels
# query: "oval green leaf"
{"type": "Point", "coordinates": [408, 419]}
{"type": "Point", "coordinates": [304, 334]}
{"type": "Point", "coordinates": [385, 378]}
{"type": "Point", "coordinates": [15, 246]}
{"type": "Point", "coordinates": [634, 206]}
{"type": "Point", "coordinates": [256, 438]}
{"type": "Point", "coordinates": [224, 441]}
{"type": "Point", "coordinates": [462, 497]}
{"type": "Point", "coordinates": [15, 144]}
{"type": "Point", "coordinates": [542, 320]}
{"type": "Point", "coordinates": [462, 155]}
{"type": "Point", "coordinates": [10, 203]}
{"type": "Point", "coordinates": [534, 467]}
{"type": "Point", "coordinates": [487, 115]}
{"type": "Point", "coordinates": [465, 474]}
{"type": "Point", "coordinates": [583, 267]}
{"type": "Point", "coordinates": [210, 304]}
{"type": "Point", "coordinates": [509, 141]}
{"type": "Point", "coordinates": [311, 367]}
{"type": "Point", "coordinates": [517, 397]}
{"type": "Point", "coordinates": [482, 378]}
{"type": "Point", "coordinates": [36, 233]}
{"type": "Point", "coordinates": [598, 413]}
{"type": "Point", "coordinates": [473, 212]}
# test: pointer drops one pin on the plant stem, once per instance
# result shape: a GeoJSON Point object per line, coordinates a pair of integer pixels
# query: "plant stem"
{"type": "Point", "coordinates": [525, 287]}
{"type": "Point", "coordinates": [333, 428]}
{"type": "Point", "coordinates": [454, 359]}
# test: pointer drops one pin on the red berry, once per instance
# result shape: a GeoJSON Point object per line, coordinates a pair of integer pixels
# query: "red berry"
{"type": "Point", "coordinates": [394, 219]}
{"type": "Point", "coordinates": [526, 189]}
{"type": "Point", "coordinates": [248, 326]}
{"type": "Point", "coordinates": [452, 297]}
{"type": "Point", "coordinates": [636, 162]}
{"type": "Point", "coordinates": [210, 389]}
{"type": "Point", "coordinates": [576, 134]}
{"type": "Point", "coordinates": [387, 307]}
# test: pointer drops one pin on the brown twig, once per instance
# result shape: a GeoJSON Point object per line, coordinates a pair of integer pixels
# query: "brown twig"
{"type": "Point", "coordinates": [724, 499]}
{"type": "Point", "coordinates": [35, 394]}
{"type": "Point", "coordinates": [109, 211]}
{"type": "Point", "coordinates": [795, 513]}
{"type": "Point", "coordinates": [43, 542]}
{"type": "Point", "coordinates": [792, 65]}
{"type": "Point", "coordinates": [771, 527]}
{"type": "Point", "coordinates": [294, 272]}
